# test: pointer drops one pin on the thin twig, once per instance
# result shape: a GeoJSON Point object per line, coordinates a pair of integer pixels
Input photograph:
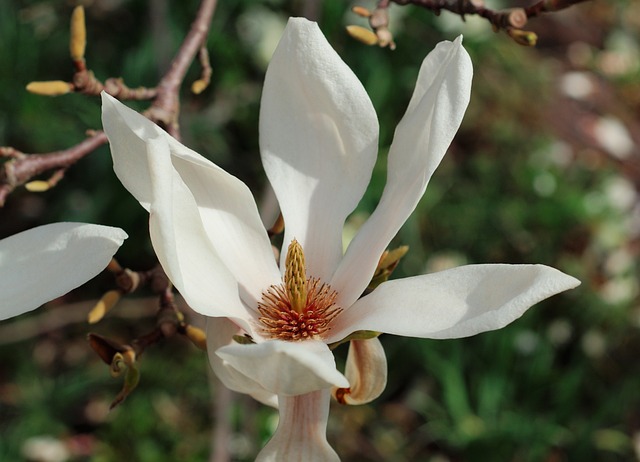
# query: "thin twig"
{"type": "Point", "coordinates": [23, 167]}
{"type": "Point", "coordinates": [164, 110]}
{"type": "Point", "coordinates": [166, 106]}
{"type": "Point", "coordinates": [549, 6]}
{"type": "Point", "coordinates": [57, 318]}
{"type": "Point", "coordinates": [476, 7]}
{"type": "Point", "coordinates": [511, 20]}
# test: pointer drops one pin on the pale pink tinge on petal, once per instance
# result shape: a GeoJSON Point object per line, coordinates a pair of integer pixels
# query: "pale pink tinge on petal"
{"type": "Point", "coordinates": [220, 332]}
{"type": "Point", "coordinates": [301, 433]}
{"type": "Point", "coordinates": [366, 372]}
{"type": "Point", "coordinates": [285, 368]}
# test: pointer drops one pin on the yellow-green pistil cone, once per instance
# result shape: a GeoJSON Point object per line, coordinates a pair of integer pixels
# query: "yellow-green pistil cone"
{"type": "Point", "coordinates": [295, 278]}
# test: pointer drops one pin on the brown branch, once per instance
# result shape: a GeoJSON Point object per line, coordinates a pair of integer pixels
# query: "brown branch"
{"type": "Point", "coordinates": [56, 318]}
{"type": "Point", "coordinates": [169, 319]}
{"type": "Point", "coordinates": [510, 20]}
{"type": "Point", "coordinates": [202, 83]}
{"type": "Point", "coordinates": [166, 107]}
{"type": "Point", "coordinates": [124, 357]}
{"type": "Point", "coordinates": [549, 6]}
{"type": "Point", "coordinates": [23, 167]}
{"type": "Point", "coordinates": [164, 110]}
{"type": "Point", "coordinates": [86, 83]}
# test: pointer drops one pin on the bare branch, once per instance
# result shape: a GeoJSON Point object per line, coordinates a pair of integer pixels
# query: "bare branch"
{"type": "Point", "coordinates": [23, 167]}
{"type": "Point", "coordinates": [164, 110]}
{"type": "Point", "coordinates": [510, 20]}
{"type": "Point", "coordinates": [549, 6]}
{"type": "Point", "coordinates": [205, 77]}
{"type": "Point", "coordinates": [166, 107]}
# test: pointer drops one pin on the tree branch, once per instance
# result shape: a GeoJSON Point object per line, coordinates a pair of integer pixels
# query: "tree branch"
{"type": "Point", "coordinates": [23, 167]}
{"type": "Point", "coordinates": [166, 106]}
{"type": "Point", "coordinates": [164, 110]}
{"type": "Point", "coordinates": [511, 20]}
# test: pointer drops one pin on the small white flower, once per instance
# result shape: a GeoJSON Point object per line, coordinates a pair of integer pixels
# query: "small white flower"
{"type": "Point", "coordinates": [46, 262]}
{"type": "Point", "coordinates": [318, 141]}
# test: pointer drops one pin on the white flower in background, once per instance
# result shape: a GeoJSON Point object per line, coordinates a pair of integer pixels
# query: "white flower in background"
{"type": "Point", "coordinates": [318, 141]}
{"type": "Point", "coordinates": [46, 262]}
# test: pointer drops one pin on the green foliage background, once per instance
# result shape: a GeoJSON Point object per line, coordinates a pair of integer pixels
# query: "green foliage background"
{"type": "Point", "coordinates": [518, 186]}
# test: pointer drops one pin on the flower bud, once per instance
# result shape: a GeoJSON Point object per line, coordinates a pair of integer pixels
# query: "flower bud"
{"type": "Point", "coordinates": [78, 40]}
{"type": "Point", "coordinates": [103, 306]}
{"type": "Point", "coordinates": [523, 37]}
{"type": "Point", "coordinates": [197, 336]}
{"type": "Point", "coordinates": [37, 186]}
{"type": "Point", "coordinates": [363, 35]}
{"type": "Point", "coordinates": [361, 11]}
{"type": "Point", "coordinates": [49, 88]}
{"type": "Point", "coordinates": [198, 86]}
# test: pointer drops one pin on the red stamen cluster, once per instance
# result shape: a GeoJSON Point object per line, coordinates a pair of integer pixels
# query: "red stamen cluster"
{"type": "Point", "coordinates": [280, 321]}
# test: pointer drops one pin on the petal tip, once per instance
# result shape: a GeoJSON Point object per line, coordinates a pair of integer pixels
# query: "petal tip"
{"type": "Point", "coordinates": [567, 281]}
{"type": "Point", "coordinates": [107, 100]}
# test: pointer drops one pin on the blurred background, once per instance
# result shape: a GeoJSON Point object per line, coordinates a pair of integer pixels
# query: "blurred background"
{"type": "Point", "coordinates": [545, 169]}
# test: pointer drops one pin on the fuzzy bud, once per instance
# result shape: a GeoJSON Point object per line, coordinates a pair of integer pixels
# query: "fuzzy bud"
{"type": "Point", "coordinates": [50, 88]}
{"type": "Point", "coordinates": [523, 37]}
{"type": "Point", "coordinates": [197, 336]}
{"type": "Point", "coordinates": [361, 11]}
{"type": "Point", "coordinates": [78, 41]}
{"type": "Point", "coordinates": [37, 186]}
{"type": "Point", "coordinates": [363, 35]}
{"type": "Point", "coordinates": [103, 306]}
{"type": "Point", "coordinates": [198, 86]}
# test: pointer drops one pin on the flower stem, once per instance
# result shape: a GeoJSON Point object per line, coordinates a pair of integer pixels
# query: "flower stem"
{"type": "Point", "coordinates": [301, 433]}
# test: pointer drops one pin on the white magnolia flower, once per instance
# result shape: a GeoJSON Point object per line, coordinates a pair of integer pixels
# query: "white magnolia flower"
{"type": "Point", "coordinates": [46, 262]}
{"type": "Point", "coordinates": [318, 141]}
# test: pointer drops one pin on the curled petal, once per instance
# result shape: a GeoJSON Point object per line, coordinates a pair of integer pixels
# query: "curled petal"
{"type": "Point", "coordinates": [285, 368]}
{"type": "Point", "coordinates": [318, 140]}
{"type": "Point", "coordinates": [366, 372]}
{"type": "Point", "coordinates": [43, 263]}
{"type": "Point", "coordinates": [421, 139]}
{"type": "Point", "coordinates": [222, 216]}
{"type": "Point", "coordinates": [455, 303]}
{"type": "Point", "coordinates": [301, 432]}
{"type": "Point", "coordinates": [220, 332]}
{"type": "Point", "coordinates": [231, 220]}
{"type": "Point", "coordinates": [181, 244]}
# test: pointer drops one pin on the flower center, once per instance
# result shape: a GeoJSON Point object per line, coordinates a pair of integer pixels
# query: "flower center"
{"type": "Point", "coordinates": [301, 307]}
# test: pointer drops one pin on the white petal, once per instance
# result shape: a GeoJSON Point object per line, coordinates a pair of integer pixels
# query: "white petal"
{"type": "Point", "coordinates": [285, 368]}
{"type": "Point", "coordinates": [224, 205]}
{"type": "Point", "coordinates": [182, 246]}
{"type": "Point", "coordinates": [301, 432]}
{"type": "Point", "coordinates": [455, 303]}
{"type": "Point", "coordinates": [318, 139]}
{"type": "Point", "coordinates": [220, 332]}
{"type": "Point", "coordinates": [421, 139]}
{"type": "Point", "coordinates": [43, 263]}
{"type": "Point", "coordinates": [231, 220]}
{"type": "Point", "coordinates": [366, 372]}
